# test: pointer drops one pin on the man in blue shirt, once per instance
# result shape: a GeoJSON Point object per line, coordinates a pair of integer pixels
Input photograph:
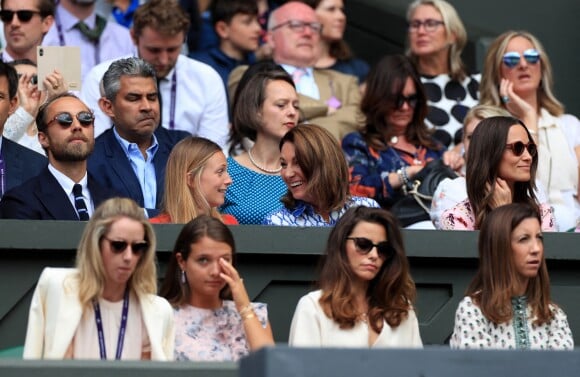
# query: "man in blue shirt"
{"type": "Point", "coordinates": [131, 156]}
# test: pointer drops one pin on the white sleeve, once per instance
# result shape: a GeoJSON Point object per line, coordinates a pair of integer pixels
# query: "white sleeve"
{"type": "Point", "coordinates": [91, 93]}
{"type": "Point", "coordinates": [34, 342]}
{"type": "Point", "coordinates": [469, 329]}
{"type": "Point", "coordinates": [17, 124]}
{"type": "Point", "coordinates": [305, 328]}
{"type": "Point", "coordinates": [214, 124]}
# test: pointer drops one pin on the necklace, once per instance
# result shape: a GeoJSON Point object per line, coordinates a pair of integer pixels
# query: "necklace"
{"type": "Point", "coordinates": [270, 171]}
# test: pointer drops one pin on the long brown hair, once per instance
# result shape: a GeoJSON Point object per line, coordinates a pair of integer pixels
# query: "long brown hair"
{"type": "Point", "coordinates": [492, 287]}
{"type": "Point", "coordinates": [390, 294]}
{"type": "Point", "coordinates": [485, 154]}
{"type": "Point", "coordinates": [385, 83]}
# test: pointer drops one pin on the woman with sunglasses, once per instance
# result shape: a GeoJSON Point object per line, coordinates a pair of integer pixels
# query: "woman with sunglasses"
{"type": "Point", "coordinates": [214, 318]}
{"type": "Point", "coordinates": [366, 291]}
{"type": "Point", "coordinates": [395, 144]}
{"type": "Point", "coordinates": [196, 182]}
{"type": "Point", "coordinates": [436, 38]}
{"type": "Point", "coordinates": [517, 75]}
{"type": "Point", "coordinates": [508, 305]}
{"type": "Point", "coordinates": [503, 160]}
{"type": "Point", "coordinates": [106, 307]}
{"type": "Point", "coordinates": [316, 174]}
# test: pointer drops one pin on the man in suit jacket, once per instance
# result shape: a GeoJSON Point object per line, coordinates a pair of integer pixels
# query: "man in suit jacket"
{"type": "Point", "coordinates": [327, 97]}
{"type": "Point", "coordinates": [131, 156]}
{"type": "Point", "coordinates": [65, 130]}
{"type": "Point", "coordinates": [17, 163]}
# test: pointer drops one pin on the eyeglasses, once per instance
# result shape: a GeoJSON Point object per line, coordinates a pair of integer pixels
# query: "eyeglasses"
{"type": "Point", "coordinates": [429, 24]}
{"type": "Point", "coordinates": [512, 58]}
{"type": "Point", "coordinates": [364, 246]}
{"type": "Point", "coordinates": [518, 148]}
{"type": "Point", "coordinates": [411, 100]}
{"type": "Point", "coordinates": [299, 26]}
{"type": "Point", "coordinates": [118, 247]}
{"type": "Point", "coordinates": [65, 119]}
{"type": "Point", "coordinates": [23, 15]}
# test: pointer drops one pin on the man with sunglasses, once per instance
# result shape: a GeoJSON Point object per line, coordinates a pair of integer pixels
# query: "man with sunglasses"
{"type": "Point", "coordinates": [327, 97]}
{"type": "Point", "coordinates": [131, 156]}
{"type": "Point", "coordinates": [63, 190]}
{"type": "Point", "coordinates": [76, 23]}
{"type": "Point", "coordinates": [17, 163]}
{"type": "Point", "coordinates": [25, 23]}
{"type": "Point", "coordinates": [191, 94]}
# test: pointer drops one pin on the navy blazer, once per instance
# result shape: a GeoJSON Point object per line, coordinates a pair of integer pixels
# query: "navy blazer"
{"type": "Point", "coordinates": [21, 163]}
{"type": "Point", "coordinates": [111, 168]}
{"type": "Point", "coordinates": [42, 198]}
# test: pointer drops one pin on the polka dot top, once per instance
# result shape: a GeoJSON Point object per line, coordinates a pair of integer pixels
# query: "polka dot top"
{"type": "Point", "coordinates": [252, 195]}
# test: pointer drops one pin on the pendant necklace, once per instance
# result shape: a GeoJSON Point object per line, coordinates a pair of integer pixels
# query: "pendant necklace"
{"type": "Point", "coordinates": [269, 171]}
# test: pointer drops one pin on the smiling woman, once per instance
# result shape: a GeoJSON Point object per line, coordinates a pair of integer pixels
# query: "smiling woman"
{"type": "Point", "coordinates": [214, 318]}
{"type": "Point", "coordinates": [508, 305]}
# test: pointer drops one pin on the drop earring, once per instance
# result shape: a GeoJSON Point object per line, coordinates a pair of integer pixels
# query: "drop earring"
{"type": "Point", "coordinates": [183, 280]}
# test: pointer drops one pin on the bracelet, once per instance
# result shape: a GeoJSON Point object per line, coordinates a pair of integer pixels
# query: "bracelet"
{"type": "Point", "coordinates": [400, 176]}
{"type": "Point", "coordinates": [405, 176]}
{"type": "Point", "coordinates": [246, 310]}
{"type": "Point", "coordinates": [248, 316]}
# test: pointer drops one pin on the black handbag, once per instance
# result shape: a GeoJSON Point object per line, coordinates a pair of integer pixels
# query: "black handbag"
{"type": "Point", "coordinates": [414, 207]}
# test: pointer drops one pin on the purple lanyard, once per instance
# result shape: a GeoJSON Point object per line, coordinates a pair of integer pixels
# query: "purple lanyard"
{"type": "Point", "coordinates": [99, 321]}
{"type": "Point", "coordinates": [173, 101]}
{"type": "Point", "coordinates": [2, 177]}
{"type": "Point", "coordinates": [62, 42]}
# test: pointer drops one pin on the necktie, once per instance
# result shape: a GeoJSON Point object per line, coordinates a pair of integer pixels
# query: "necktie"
{"type": "Point", "coordinates": [297, 75]}
{"type": "Point", "coordinates": [92, 35]}
{"type": "Point", "coordinates": [2, 177]}
{"type": "Point", "coordinates": [80, 205]}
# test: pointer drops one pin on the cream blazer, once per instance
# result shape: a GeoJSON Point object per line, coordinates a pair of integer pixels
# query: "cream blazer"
{"type": "Point", "coordinates": [55, 313]}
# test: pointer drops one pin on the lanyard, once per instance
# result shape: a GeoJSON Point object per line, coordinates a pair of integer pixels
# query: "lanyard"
{"type": "Point", "coordinates": [62, 42]}
{"type": "Point", "coordinates": [173, 101]}
{"type": "Point", "coordinates": [2, 177]}
{"type": "Point", "coordinates": [121, 338]}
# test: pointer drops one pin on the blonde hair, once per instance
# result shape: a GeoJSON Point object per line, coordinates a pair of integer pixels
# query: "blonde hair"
{"type": "Point", "coordinates": [481, 112]}
{"type": "Point", "coordinates": [491, 77]}
{"type": "Point", "coordinates": [89, 262]}
{"type": "Point", "coordinates": [453, 26]}
{"type": "Point", "coordinates": [187, 159]}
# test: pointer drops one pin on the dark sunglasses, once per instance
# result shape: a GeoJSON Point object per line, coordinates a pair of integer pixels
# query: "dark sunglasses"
{"type": "Point", "coordinates": [512, 58]}
{"type": "Point", "coordinates": [364, 246]}
{"type": "Point", "coordinates": [85, 118]}
{"type": "Point", "coordinates": [411, 100]}
{"type": "Point", "coordinates": [118, 247]}
{"type": "Point", "coordinates": [518, 148]}
{"type": "Point", "coordinates": [23, 15]}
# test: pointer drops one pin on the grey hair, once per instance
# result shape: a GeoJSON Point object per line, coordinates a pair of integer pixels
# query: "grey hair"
{"type": "Point", "coordinates": [111, 83]}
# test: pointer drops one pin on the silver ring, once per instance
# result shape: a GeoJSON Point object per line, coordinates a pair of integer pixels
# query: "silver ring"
{"type": "Point", "coordinates": [505, 99]}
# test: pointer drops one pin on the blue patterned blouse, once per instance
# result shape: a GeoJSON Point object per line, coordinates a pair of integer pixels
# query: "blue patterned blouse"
{"type": "Point", "coordinates": [369, 168]}
{"type": "Point", "coordinates": [252, 195]}
{"type": "Point", "coordinates": [304, 215]}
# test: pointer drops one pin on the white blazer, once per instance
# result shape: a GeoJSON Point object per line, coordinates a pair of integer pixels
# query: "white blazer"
{"type": "Point", "coordinates": [55, 312]}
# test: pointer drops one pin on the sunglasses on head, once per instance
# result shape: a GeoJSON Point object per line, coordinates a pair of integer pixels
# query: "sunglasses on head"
{"type": "Point", "coordinates": [518, 148]}
{"type": "Point", "coordinates": [364, 246]}
{"type": "Point", "coordinates": [65, 119]}
{"type": "Point", "coordinates": [118, 247]}
{"type": "Point", "coordinates": [411, 100]}
{"type": "Point", "coordinates": [512, 58]}
{"type": "Point", "coordinates": [23, 15]}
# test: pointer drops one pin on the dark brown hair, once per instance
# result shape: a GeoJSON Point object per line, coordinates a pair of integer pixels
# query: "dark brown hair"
{"type": "Point", "coordinates": [492, 287]}
{"type": "Point", "coordinates": [390, 294]}
{"type": "Point", "coordinates": [385, 83]}
{"type": "Point", "coordinates": [165, 16]}
{"type": "Point", "coordinates": [322, 162]}
{"type": "Point", "coordinates": [485, 154]}
{"type": "Point", "coordinates": [176, 292]}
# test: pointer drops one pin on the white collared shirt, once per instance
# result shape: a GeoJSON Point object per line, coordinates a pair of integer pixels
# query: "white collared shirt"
{"type": "Point", "coordinates": [200, 107]}
{"type": "Point", "coordinates": [67, 185]}
{"type": "Point", "coordinates": [114, 43]}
